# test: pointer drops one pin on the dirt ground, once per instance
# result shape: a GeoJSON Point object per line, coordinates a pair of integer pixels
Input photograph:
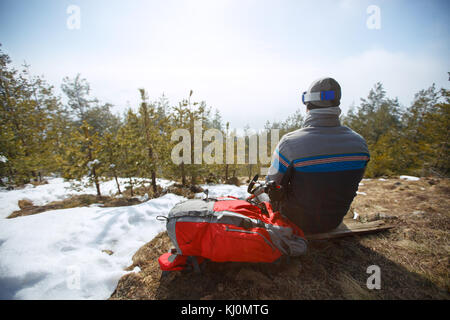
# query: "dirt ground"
{"type": "Point", "coordinates": [413, 257]}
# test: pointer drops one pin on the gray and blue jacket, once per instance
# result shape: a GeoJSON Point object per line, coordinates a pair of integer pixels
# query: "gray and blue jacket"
{"type": "Point", "coordinates": [320, 166]}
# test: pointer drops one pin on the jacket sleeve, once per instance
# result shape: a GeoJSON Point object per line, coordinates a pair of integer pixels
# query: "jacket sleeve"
{"type": "Point", "coordinates": [280, 163]}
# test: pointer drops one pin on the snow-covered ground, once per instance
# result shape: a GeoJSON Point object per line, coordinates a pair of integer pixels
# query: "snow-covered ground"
{"type": "Point", "coordinates": [58, 254]}
{"type": "Point", "coordinates": [58, 189]}
{"type": "Point", "coordinates": [218, 190]}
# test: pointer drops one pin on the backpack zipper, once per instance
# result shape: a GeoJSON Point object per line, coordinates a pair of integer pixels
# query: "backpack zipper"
{"type": "Point", "coordinates": [251, 232]}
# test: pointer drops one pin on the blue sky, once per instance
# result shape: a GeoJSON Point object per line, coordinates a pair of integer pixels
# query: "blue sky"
{"type": "Point", "coordinates": [250, 59]}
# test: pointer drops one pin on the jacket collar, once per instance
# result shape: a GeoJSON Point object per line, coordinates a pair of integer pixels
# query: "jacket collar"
{"type": "Point", "coordinates": [323, 117]}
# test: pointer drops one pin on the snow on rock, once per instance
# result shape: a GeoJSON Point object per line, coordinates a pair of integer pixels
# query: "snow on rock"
{"type": "Point", "coordinates": [409, 178]}
{"type": "Point", "coordinates": [143, 198]}
{"type": "Point", "coordinates": [58, 254]}
{"type": "Point", "coordinates": [361, 193]}
{"type": "Point", "coordinates": [93, 162]}
{"type": "Point", "coordinates": [136, 269]}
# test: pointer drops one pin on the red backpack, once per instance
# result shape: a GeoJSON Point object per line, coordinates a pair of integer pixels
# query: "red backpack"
{"type": "Point", "coordinates": [228, 229]}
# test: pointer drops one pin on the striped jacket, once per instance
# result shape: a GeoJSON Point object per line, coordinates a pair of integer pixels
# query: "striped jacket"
{"type": "Point", "coordinates": [326, 162]}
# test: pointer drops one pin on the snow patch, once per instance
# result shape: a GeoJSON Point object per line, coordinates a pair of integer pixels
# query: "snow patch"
{"type": "Point", "coordinates": [59, 189]}
{"type": "Point", "coordinates": [221, 190]}
{"type": "Point", "coordinates": [58, 254]}
{"type": "Point", "coordinates": [409, 178]}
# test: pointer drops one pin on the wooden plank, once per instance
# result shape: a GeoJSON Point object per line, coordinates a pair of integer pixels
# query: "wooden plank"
{"type": "Point", "coordinates": [350, 228]}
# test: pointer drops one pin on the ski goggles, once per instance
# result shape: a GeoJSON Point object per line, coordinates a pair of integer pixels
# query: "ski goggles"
{"type": "Point", "coordinates": [318, 96]}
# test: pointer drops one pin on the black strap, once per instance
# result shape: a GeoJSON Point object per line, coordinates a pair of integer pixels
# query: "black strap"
{"type": "Point", "coordinates": [287, 175]}
{"type": "Point", "coordinates": [192, 260]}
{"type": "Point", "coordinates": [286, 180]}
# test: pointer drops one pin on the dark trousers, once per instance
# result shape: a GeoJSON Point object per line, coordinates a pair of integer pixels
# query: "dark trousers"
{"type": "Point", "coordinates": [312, 222]}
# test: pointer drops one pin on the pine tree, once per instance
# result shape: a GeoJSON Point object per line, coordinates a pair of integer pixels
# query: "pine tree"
{"type": "Point", "coordinates": [129, 144]}
{"type": "Point", "coordinates": [85, 108]}
{"type": "Point", "coordinates": [185, 116]}
{"type": "Point", "coordinates": [378, 120]}
{"type": "Point", "coordinates": [149, 129]}
{"type": "Point", "coordinates": [110, 156]}
{"type": "Point", "coordinates": [376, 115]}
{"type": "Point", "coordinates": [82, 157]}
{"type": "Point", "coordinates": [427, 124]}
{"type": "Point", "coordinates": [77, 91]}
{"type": "Point", "coordinates": [26, 112]}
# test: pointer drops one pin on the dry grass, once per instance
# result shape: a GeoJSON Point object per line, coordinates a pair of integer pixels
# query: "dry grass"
{"type": "Point", "coordinates": [141, 190]}
{"type": "Point", "coordinates": [184, 191]}
{"type": "Point", "coordinates": [413, 257]}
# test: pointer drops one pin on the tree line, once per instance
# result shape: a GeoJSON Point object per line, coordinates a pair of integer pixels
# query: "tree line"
{"type": "Point", "coordinates": [412, 140]}
{"type": "Point", "coordinates": [81, 137]}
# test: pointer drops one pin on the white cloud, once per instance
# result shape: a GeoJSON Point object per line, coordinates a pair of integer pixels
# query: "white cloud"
{"type": "Point", "coordinates": [402, 74]}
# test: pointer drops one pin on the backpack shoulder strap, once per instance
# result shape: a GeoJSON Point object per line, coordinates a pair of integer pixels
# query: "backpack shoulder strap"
{"type": "Point", "coordinates": [285, 181]}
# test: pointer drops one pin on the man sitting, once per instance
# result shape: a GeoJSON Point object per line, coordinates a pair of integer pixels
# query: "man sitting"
{"type": "Point", "coordinates": [320, 165]}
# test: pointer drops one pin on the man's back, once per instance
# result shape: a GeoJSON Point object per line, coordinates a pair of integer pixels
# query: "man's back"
{"type": "Point", "coordinates": [324, 163]}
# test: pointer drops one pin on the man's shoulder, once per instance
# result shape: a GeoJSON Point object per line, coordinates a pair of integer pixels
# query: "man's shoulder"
{"type": "Point", "coordinates": [308, 137]}
{"type": "Point", "coordinates": [311, 131]}
{"type": "Point", "coordinates": [305, 131]}
{"type": "Point", "coordinates": [293, 140]}
{"type": "Point", "coordinates": [294, 134]}
{"type": "Point", "coordinates": [350, 131]}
